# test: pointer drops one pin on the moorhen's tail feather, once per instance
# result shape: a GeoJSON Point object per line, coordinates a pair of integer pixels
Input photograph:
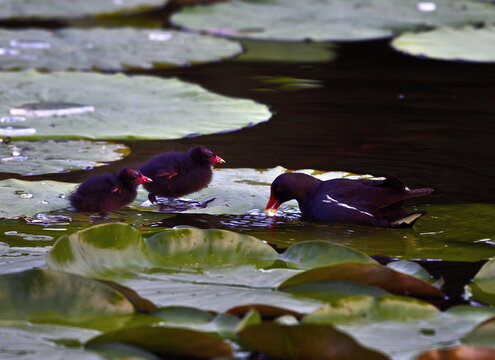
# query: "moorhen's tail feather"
{"type": "Point", "coordinates": [407, 221]}
{"type": "Point", "coordinates": [419, 192]}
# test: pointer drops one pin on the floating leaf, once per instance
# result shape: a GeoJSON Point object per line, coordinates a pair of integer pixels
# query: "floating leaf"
{"type": "Point", "coordinates": [51, 296]}
{"type": "Point", "coordinates": [313, 254]}
{"type": "Point", "coordinates": [333, 290]}
{"type": "Point", "coordinates": [52, 156]}
{"type": "Point", "coordinates": [74, 8]}
{"type": "Point", "coordinates": [305, 341]}
{"type": "Point", "coordinates": [342, 20]}
{"type": "Point", "coordinates": [459, 353]}
{"type": "Point", "coordinates": [108, 49]}
{"type": "Point", "coordinates": [168, 341]}
{"type": "Point", "coordinates": [368, 274]}
{"type": "Point", "coordinates": [482, 335]}
{"type": "Point", "coordinates": [28, 198]}
{"type": "Point", "coordinates": [465, 44]}
{"type": "Point", "coordinates": [483, 285]}
{"type": "Point", "coordinates": [367, 309]}
{"type": "Point", "coordinates": [411, 268]}
{"type": "Point", "coordinates": [126, 107]}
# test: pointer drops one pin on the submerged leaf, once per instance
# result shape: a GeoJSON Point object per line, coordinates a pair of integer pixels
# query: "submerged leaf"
{"type": "Point", "coordinates": [52, 156]}
{"type": "Point", "coordinates": [125, 107]}
{"type": "Point", "coordinates": [108, 49]}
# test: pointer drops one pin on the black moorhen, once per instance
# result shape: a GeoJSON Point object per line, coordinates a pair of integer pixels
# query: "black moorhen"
{"type": "Point", "coordinates": [178, 174]}
{"type": "Point", "coordinates": [108, 192]}
{"type": "Point", "coordinates": [364, 201]}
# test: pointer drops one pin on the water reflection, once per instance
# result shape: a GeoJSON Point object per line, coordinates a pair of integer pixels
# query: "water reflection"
{"type": "Point", "coordinates": [29, 44]}
{"type": "Point", "coordinates": [44, 109]}
{"type": "Point", "coordinates": [13, 131]}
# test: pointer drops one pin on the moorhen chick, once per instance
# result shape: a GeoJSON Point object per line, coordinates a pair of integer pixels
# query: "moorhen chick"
{"type": "Point", "coordinates": [179, 174]}
{"type": "Point", "coordinates": [108, 192]}
{"type": "Point", "coordinates": [364, 201]}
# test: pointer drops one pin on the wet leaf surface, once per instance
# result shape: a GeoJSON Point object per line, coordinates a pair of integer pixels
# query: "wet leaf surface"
{"type": "Point", "coordinates": [108, 49]}
{"type": "Point", "coordinates": [125, 107]}
{"type": "Point", "coordinates": [50, 156]}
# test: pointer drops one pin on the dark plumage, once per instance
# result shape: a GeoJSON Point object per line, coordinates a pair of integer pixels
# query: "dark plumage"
{"type": "Point", "coordinates": [178, 174]}
{"type": "Point", "coordinates": [366, 202]}
{"type": "Point", "coordinates": [108, 192]}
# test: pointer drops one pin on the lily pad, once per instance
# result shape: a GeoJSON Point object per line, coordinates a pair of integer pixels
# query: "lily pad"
{"type": "Point", "coordinates": [453, 44]}
{"type": "Point", "coordinates": [368, 274]}
{"type": "Point", "coordinates": [28, 198]}
{"type": "Point", "coordinates": [52, 156]}
{"type": "Point", "coordinates": [108, 49]}
{"type": "Point", "coordinates": [483, 286]}
{"type": "Point", "coordinates": [326, 20]}
{"type": "Point", "coordinates": [168, 341]}
{"type": "Point", "coordinates": [124, 107]}
{"type": "Point", "coordinates": [367, 309]}
{"type": "Point", "coordinates": [305, 341]}
{"type": "Point", "coordinates": [72, 9]}
{"type": "Point", "coordinates": [56, 297]}
{"type": "Point", "coordinates": [482, 335]}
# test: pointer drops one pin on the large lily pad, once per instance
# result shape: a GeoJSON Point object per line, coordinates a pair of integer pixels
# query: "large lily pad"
{"type": "Point", "coordinates": [52, 156]}
{"type": "Point", "coordinates": [56, 297]}
{"type": "Point", "coordinates": [28, 198]}
{"type": "Point", "coordinates": [108, 49]}
{"type": "Point", "coordinates": [308, 341]}
{"type": "Point", "coordinates": [168, 341]}
{"type": "Point", "coordinates": [466, 44]}
{"type": "Point", "coordinates": [72, 9]}
{"type": "Point", "coordinates": [118, 107]}
{"type": "Point", "coordinates": [340, 20]}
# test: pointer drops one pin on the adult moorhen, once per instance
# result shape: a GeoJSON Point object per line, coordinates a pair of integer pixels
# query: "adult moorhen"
{"type": "Point", "coordinates": [178, 174]}
{"type": "Point", "coordinates": [108, 192]}
{"type": "Point", "coordinates": [364, 201]}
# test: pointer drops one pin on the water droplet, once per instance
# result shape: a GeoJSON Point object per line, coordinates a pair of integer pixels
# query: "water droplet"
{"type": "Point", "coordinates": [26, 196]}
{"type": "Point", "coordinates": [11, 52]}
{"type": "Point", "coordinates": [44, 202]}
{"type": "Point", "coordinates": [29, 44]}
{"type": "Point", "coordinates": [159, 36]}
{"type": "Point", "coordinates": [62, 196]}
{"type": "Point", "coordinates": [427, 6]}
{"type": "Point", "coordinates": [51, 109]}
{"type": "Point", "coordinates": [11, 119]}
{"type": "Point", "coordinates": [16, 131]}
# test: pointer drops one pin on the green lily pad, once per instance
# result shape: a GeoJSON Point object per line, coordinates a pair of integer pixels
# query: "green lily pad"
{"type": "Point", "coordinates": [483, 286]}
{"type": "Point", "coordinates": [411, 268]}
{"type": "Point", "coordinates": [52, 156]}
{"type": "Point", "coordinates": [306, 342]}
{"type": "Point", "coordinates": [313, 254]}
{"type": "Point", "coordinates": [168, 341]}
{"type": "Point", "coordinates": [325, 20]}
{"type": "Point", "coordinates": [367, 309]}
{"type": "Point", "coordinates": [328, 291]}
{"type": "Point", "coordinates": [117, 107]}
{"type": "Point", "coordinates": [459, 353]}
{"type": "Point", "coordinates": [72, 9]}
{"type": "Point", "coordinates": [482, 335]}
{"type": "Point", "coordinates": [368, 274]}
{"type": "Point", "coordinates": [446, 43]}
{"type": "Point", "coordinates": [28, 198]}
{"type": "Point", "coordinates": [56, 297]}
{"type": "Point", "coordinates": [108, 49]}
{"type": "Point", "coordinates": [239, 191]}
{"type": "Point", "coordinates": [21, 340]}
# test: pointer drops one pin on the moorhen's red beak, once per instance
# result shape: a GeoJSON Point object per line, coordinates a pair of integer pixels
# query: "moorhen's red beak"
{"type": "Point", "coordinates": [272, 206]}
{"type": "Point", "coordinates": [218, 160]}
{"type": "Point", "coordinates": [143, 179]}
